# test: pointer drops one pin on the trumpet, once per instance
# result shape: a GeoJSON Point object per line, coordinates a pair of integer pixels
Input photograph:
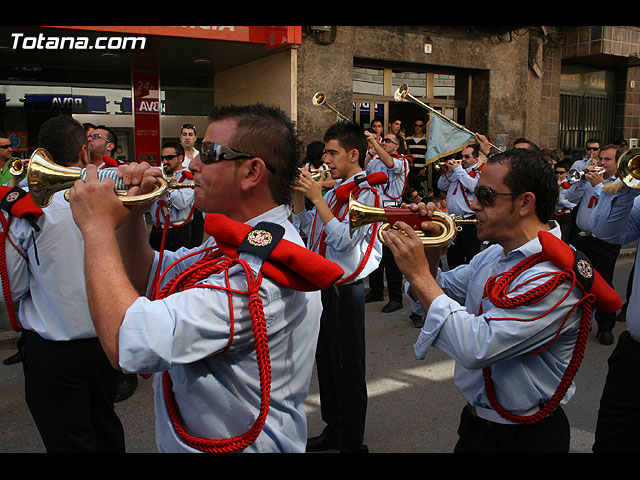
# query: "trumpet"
{"type": "Point", "coordinates": [628, 167]}
{"type": "Point", "coordinates": [319, 173]}
{"type": "Point", "coordinates": [45, 178]}
{"type": "Point", "coordinates": [361, 215]}
{"type": "Point", "coordinates": [17, 166]}
{"type": "Point", "coordinates": [574, 176]}
{"type": "Point", "coordinates": [320, 99]}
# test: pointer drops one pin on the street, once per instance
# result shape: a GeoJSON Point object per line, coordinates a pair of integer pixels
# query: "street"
{"type": "Point", "coordinates": [413, 405]}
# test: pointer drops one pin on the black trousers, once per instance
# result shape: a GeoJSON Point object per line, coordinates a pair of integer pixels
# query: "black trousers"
{"type": "Point", "coordinates": [465, 246]}
{"type": "Point", "coordinates": [340, 362]}
{"type": "Point", "coordinates": [394, 277]}
{"type": "Point", "coordinates": [177, 237]}
{"type": "Point", "coordinates": [618, 426]}
{"type": "Point", "coordinates": [69, 389]}
{"type": "Point", "coordinates": [550, 435]}
{"type": "Point", "coordinates": [603, 257]}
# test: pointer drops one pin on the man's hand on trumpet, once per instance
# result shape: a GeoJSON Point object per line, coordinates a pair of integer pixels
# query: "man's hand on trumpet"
{"type": "Point", "coordinates": [306, 185]}
{"type": "Point", "coordinates": [418, 264]}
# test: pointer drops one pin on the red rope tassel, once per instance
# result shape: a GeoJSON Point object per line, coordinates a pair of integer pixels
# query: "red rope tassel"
{"type": "Point", "coordinates": [496, 290]}
{"type": "Point", "coordinates": [210, 264]}
{"type": "Point", "coordinates": [4, 276]}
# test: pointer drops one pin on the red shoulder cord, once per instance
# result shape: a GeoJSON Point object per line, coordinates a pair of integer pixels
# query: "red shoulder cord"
{"type": "Point", "coordinates": [215, 262]}
{"type": "Point", "coordinates": [496, 291]}
{"type": "Point", "coordinates": [6, 288]}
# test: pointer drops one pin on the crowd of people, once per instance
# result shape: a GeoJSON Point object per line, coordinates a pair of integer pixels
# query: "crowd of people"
{"type": "Point", "coordinates": [230, 291]}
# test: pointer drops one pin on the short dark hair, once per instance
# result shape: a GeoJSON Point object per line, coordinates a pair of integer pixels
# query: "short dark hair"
{"type": "Point", "coordinates": [476, 149]}
{"type": "Point", "coordinates": [63, 137]}
{"type": "Point", "coordinates": [349, 136]}
{"type": "Point", "coordinates": [175, 145]}
{"type": "Point", "coordinates": [266, 132]}
{"type": "Point", "coordinates": [530, 171]}
{"type": "Point", "coordinates": [113, 138]}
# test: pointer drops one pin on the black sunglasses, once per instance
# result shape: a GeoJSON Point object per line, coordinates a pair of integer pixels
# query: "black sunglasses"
{"type": "Point", "coordinates": [485, 195]}
{"type": "Point", "coordinates": [388, 140]}
{"type": "Point", "coordinates": [167, 157]}
{"type": "Point", "coordinates": [592, 148]}
{"type": "Point", "coordinates": [212, 153]}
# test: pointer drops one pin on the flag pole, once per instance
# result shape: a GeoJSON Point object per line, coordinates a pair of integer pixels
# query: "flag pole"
{"type": "Point", "coordinates": [403, 91]}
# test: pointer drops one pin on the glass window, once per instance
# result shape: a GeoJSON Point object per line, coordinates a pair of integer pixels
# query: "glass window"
{"type": "Point", "coordinates": [368, 80]}
{"type": "Point", "coordinates": [416, 81]}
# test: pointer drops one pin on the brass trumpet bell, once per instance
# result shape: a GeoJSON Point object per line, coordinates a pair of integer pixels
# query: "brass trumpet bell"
{"type": "Point", "coordinates": [629, 168]}
{"type": "Point", "coordinates": [321, 99]}
{"type": "Point", "coordinates": [45, 178]}
{"type": "Point", "coordinates": [361, 215]}
{"type": "Point", "coordinates": [16, 167]}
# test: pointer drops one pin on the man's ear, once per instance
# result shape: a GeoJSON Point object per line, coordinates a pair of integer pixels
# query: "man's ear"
{"type": "Point", "coordinates": [83, 155]}
{"type": "Point", "coordinates": [528, 203]}
{"type": "Point", "coordinates": [251, 171]}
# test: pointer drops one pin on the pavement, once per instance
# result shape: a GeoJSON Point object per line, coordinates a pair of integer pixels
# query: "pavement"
{"type": "Point", "coordinates": [413, 405]}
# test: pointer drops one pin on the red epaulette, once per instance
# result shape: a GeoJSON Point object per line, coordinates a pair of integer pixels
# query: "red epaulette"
{"type": "Point", "coordinates": [186, 174]}
{"type": "Point", "coordinates": [565, 257]}
{"type": "Point", "coordinates": [110, 162]}
{"type": "Point", "coordinates": [17, 202]}
{"type": "Point", "coordinates": [288, 264]}
{"type": "Point", "coordinates": [344, 191]}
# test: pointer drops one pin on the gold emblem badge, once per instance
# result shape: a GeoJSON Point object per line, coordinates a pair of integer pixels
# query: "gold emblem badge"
{"type": "Point", "coordinates": [259, 238]}
{"type": "Point", "coordinates": [12, 197]}
{"type": "Point", "coordinates": [584, 268]}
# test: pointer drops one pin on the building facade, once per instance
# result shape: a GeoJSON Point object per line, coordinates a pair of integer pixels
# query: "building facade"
{"type": "Point", "coordinates": [555, 85]}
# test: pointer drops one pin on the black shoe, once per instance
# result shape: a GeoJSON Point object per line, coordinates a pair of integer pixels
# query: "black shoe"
{"type": "Point", "coordinates": [392, 306]}
{"type": "Point", "coordinates": [416, 320]}
{"type": "Point", "coordinates": [13, 359]}
{"type": "Point", "coordinates": [320, 443]}
{"type": "Point", "coordinates": [606, 337]}
{"type": "Point", "coordinates": [125, 389]}
{"type": "Point", "coordinates": [361, 449]}
{"type": "Point", "coordinates": [372, 297]}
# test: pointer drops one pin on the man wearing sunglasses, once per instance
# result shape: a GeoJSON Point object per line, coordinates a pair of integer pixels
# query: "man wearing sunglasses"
{"type": "Point", "coordinates": [514, 200]}
{"type": "Point", "coordinates": [459, 180]}
{"type": "Point", "coordinates": [203, 337]}
{"type": "Point", "coordinates": [6, 152]}
{"type": "Point", "coordinates": [172, 215]}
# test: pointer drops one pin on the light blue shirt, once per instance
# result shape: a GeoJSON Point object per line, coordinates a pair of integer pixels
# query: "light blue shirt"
{"type": "Point", "coordinates": [178, 203]}
{"type": "Point", "coordinates": [347, 251]}
{"type": "Point", "coordinates": [460, 187]}
{"type": "Point", "coordinates": [633, 308]}
{"type": "Point", "coordinates": [586, 196]}
{"type": "Point", "coordinates": [609, 218]}
{"type": "Point", "coordinates": [523, 383]}
{"type": "Point", "coordinates": [219, 395]}
{"type": "Point", "coordinates": [393, 190]}
{"type": "Point", "coordinates": [50, 282]}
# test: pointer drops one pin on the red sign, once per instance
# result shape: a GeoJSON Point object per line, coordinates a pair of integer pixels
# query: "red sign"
{"type": "Point", "coordinates": [146, 117]}
{"type": "Point", "coordinates": [19, 141]}
{"type": "Point", "coordinates": [273, 37]}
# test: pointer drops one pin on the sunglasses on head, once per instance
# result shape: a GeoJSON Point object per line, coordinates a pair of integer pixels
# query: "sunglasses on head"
{"type": "Point", "coordinates": [485, 195]}
{"type": "Point", "coordinates": [212, 153]}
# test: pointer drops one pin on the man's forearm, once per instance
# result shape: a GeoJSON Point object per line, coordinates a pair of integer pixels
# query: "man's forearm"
{"type": "Point", "coordinates": [109, 291]}
{"type": "Point", "coordinates": [135, 251]}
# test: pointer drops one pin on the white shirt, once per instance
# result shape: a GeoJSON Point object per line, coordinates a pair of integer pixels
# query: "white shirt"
{"type": "Point", "coordinates": [347, 251]}
{"type": "Point", "coordinates": [460, 187]}
{"type": "Point", "coordinates": [51, 284]}
{"type": "Point", "coordinates": [187, 159]}
{"type": "Point", "coordinates": [393, 190]}
{"type": "Point", "coordinates": [453, 325]}
{"type": "Point", "coordinates": [218, 395]}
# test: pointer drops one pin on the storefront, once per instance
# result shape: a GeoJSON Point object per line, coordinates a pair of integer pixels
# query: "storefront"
{"type": "Point", "coordinates": [143, 82]}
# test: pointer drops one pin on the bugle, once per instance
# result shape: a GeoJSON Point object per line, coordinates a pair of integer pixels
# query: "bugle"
{"type": "Point", "coordinates": [628, 167]}
{"type": "Point", "coordinates": [402, 92]}
{"type": "Point", "coordinates": [575, 176]}
{"type": "Point", "coordinates": [16, 166]}
{"type": "Point", "coordinates": [361, 215]}
{"type": "Point", "coordinates": [45, 178]}
{"type": "Point", "coordinates": [320, 99]}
